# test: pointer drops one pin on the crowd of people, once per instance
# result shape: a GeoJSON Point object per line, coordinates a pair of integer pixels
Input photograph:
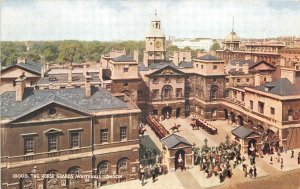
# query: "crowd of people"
{"type": "Point", "coordinates": [152, 171]}
{"type": "Point", "coordinates": [203, 124]}
{"type": "Point", "coordinates": [219, 160]}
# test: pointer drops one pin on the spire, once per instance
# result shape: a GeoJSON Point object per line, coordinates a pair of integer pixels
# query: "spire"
{"type": "Point", "coordinates": [232, 23]}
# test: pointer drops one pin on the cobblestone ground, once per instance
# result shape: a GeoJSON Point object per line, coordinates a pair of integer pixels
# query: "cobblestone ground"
{"type": "Point", "coordinates": [268, 176]}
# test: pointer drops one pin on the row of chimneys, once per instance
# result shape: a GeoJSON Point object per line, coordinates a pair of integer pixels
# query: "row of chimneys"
{"type": "Point", "coordinates": [21, 85]}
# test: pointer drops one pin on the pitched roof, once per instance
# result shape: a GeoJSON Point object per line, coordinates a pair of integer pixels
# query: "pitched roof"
{"type": "Point", "coordinates": [123, 58]}
{"type": "Point", "coordinates": [241, 62]}
{"type": "Point", "coordinates": [28, 65]}
{"type": "Point", "coordinates": [154, 66]}
{"type": "Point", "coordinates": [261, 62]}
{"type": "Point", "coordinates": [242, 132]}
{"type": "Point", "coordinates": [281, 87]}
{"type": "Point", "coordinates": [72, 97]}
{"type": "Point", "coordinates": [160, 71]}
{"type": "Point", "coordinates": [185, 64]}
{"type": "Point", "coordinates": [172, 140]}
{"type": "Point", "coordinates": [63, 78]}
{"type": "Point", "coordinates": [146, 141]}
{"type": "Point", "coordinates": [208, 57]}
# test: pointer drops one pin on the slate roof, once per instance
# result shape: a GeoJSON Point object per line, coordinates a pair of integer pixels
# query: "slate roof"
{"type": "Point", "coordinates": [242, 132]}
{"type": "Point", "coordinates": [241, 62]}
{"type": "Point", "coordinates": [74, 98]}
{"type": "Point", "coordinates": [281, 87]}
{"type": "Point", "coordinates": [63, 78]}
{"type": "Point", "coordinates": [208, 57]}
{"type": "Point", "coordinates": [160, 65]}
{"type": "Point", "coordinates": [123, 58]}
{"type": "Point", "coordinates": [147, 142]}
{"type": "Point", "coordinates": [260, 62]}
{"type": "Point", "coordinates": [29, 65]}
{"type": "Point", "coordinates": [185, 64]}
{"type": "Point", "coordinates": [172, 140]}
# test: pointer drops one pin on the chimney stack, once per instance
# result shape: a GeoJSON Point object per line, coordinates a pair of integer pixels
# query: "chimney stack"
{"type": "Point", "coordinates": [70, 74]}
{"type": "Point", "coordinates": [136, 55]}
{"type": "Point", "coordinates": [43, 71]}
{"type": "Point", "coordinates": [21, 60]}
{"type": "Point", "coordinates": [176, 58]}
{"type": "Point", "coordinates": [20, 87]}
{"type": "Point", "coordinates": [146, 64]}
{"type": "Point", "coordinates": [88, 89]}
{"type": "Point", "coordinates": [246, 68]}
{"type": "Point", "coordinates": [100, 72]}
{"type": "Point", "coordinates": [84, 69]}
{"type": "Point", "coordinates": [290, 74]}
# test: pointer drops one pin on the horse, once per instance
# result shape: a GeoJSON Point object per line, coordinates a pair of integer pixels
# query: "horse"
{"type": "Point", "coordinates": [175, 127]}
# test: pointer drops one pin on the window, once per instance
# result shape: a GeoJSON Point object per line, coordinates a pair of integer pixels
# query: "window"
{"type": "Point", "coordinates": [155, 80]}
{"type": "Point", "coordinates": [179, 92]}
{"type": "Point", "coordinates": [201, 66]}
{"type": "Point", "coordinates": [75, 139]}
{"type": "Point", "coordinates": [178, 80]}
{"type": "Point", "coordinates": [238, 80]}
{"type": "Point", "coordinates": [52, 111]}
{"type": "Point", "coordinates": [52, 142]}
{"type": "Point", "coordinates": [126, 68]}
{"type": "Point", "coordinates": [155, 93]}
{"type": "Point", "coordinates": [251, 104]}
{"type": "Point", "coordinates": [215, 67]}
{"type": "Point", "coordinates": [123, 133]}
{"type": "Point", "coordinates": [247, 80]}
{"type": "Point", "coordinates": [108, 87]}
{"type": "Point", "coordinates": [14, 83]}
{"type": "Point", "coordinates": [104, 135]}
{"type": "Point", "coordinates": [167, 92]}
{"type": "Point", "coordinates": [261, 107]}
{"type": "Point", "coordinates": [243, 97]}
{"type": "Point", "coordinates": [197, 65]}
{"type": "Point", "coordinates": [28, 145]}
{"type": "Point", "coordinates": [272, 110]}
{"type": "Point", "coordinates": [265, 79]}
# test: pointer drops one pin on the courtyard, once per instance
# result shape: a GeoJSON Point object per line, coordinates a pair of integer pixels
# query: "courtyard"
{"type": "Point", "coordinates": [194, 178]}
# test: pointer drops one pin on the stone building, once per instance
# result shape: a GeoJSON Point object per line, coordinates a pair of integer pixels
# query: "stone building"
{"type": "Point", "coordinates": [8, 75]}
{"type": "Point", "coordinates": [85, 131]}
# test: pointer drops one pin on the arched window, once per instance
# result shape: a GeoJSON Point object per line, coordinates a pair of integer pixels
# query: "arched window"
{"type": "Point", "coordinates": [122, 166]}
{"type": "Point", "coordinates": [167, 91]}
{"type": "Point", "coordinates": [73, 181]}
{"type": "Point", "coordinates": [103, 168]}
{"type": "Point", "coordinates": [214, 92]}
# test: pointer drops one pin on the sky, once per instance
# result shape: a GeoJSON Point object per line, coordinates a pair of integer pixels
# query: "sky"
{"type": "Point", "coordinates": [110, 20]}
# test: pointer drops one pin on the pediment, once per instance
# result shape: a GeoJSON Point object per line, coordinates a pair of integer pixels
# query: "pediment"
{"type": "Point", "coordinates": [50, 112]}
{"type": "Point", "coordinates": [182, 145]}
{"type": "Point", "coordinates": [262, 66]}
{"type": "Point", "coordinates": [167, 71]}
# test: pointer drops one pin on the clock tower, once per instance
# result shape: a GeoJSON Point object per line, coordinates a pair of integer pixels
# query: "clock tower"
{"type": "Point", "coordinates": [155, 44]}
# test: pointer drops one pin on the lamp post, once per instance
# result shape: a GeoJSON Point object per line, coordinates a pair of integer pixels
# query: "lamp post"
{"type": "Point", "coordinates": [33, 172]}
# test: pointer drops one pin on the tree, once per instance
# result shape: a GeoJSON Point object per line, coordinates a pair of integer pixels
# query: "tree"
{"type": "Point", "coordinates": [215, 46]}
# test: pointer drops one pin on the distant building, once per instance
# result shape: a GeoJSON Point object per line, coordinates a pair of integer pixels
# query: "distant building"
{"type": "Point", "coordinates": [197, 43]}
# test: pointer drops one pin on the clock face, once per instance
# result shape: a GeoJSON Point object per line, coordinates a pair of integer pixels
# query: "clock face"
{"type": "Point", "coordinates": [158, 44]}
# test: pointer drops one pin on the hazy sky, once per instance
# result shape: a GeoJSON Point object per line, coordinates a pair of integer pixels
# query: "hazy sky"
{"type": "Point", "coordinates": [130, 19]}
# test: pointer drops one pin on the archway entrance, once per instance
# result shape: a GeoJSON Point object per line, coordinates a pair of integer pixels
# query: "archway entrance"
{"type": "Point", "coordinates": [251, 147]}
{"type": "Point", "coordinates": [179, 158]}
{"type": "Point", "coordinates": [178, 112]}
{"type": "Point", "coordinates": [155, 112]}
{"type": "Point", "coordinates": [240, 120]}
{"type": "Point", "coordinates": [232, 117]}
{"type": "Point", "coordinates": [167, 112]}
{"type": "Point", "coordinates": [225, 114]}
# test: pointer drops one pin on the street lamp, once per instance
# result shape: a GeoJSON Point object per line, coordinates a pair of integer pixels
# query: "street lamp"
{"type": "Point", "coordinates": [33, 172]}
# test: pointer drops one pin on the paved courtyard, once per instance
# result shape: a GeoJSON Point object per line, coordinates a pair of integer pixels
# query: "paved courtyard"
{"type": "Point", "coordinates": [193, 178]}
